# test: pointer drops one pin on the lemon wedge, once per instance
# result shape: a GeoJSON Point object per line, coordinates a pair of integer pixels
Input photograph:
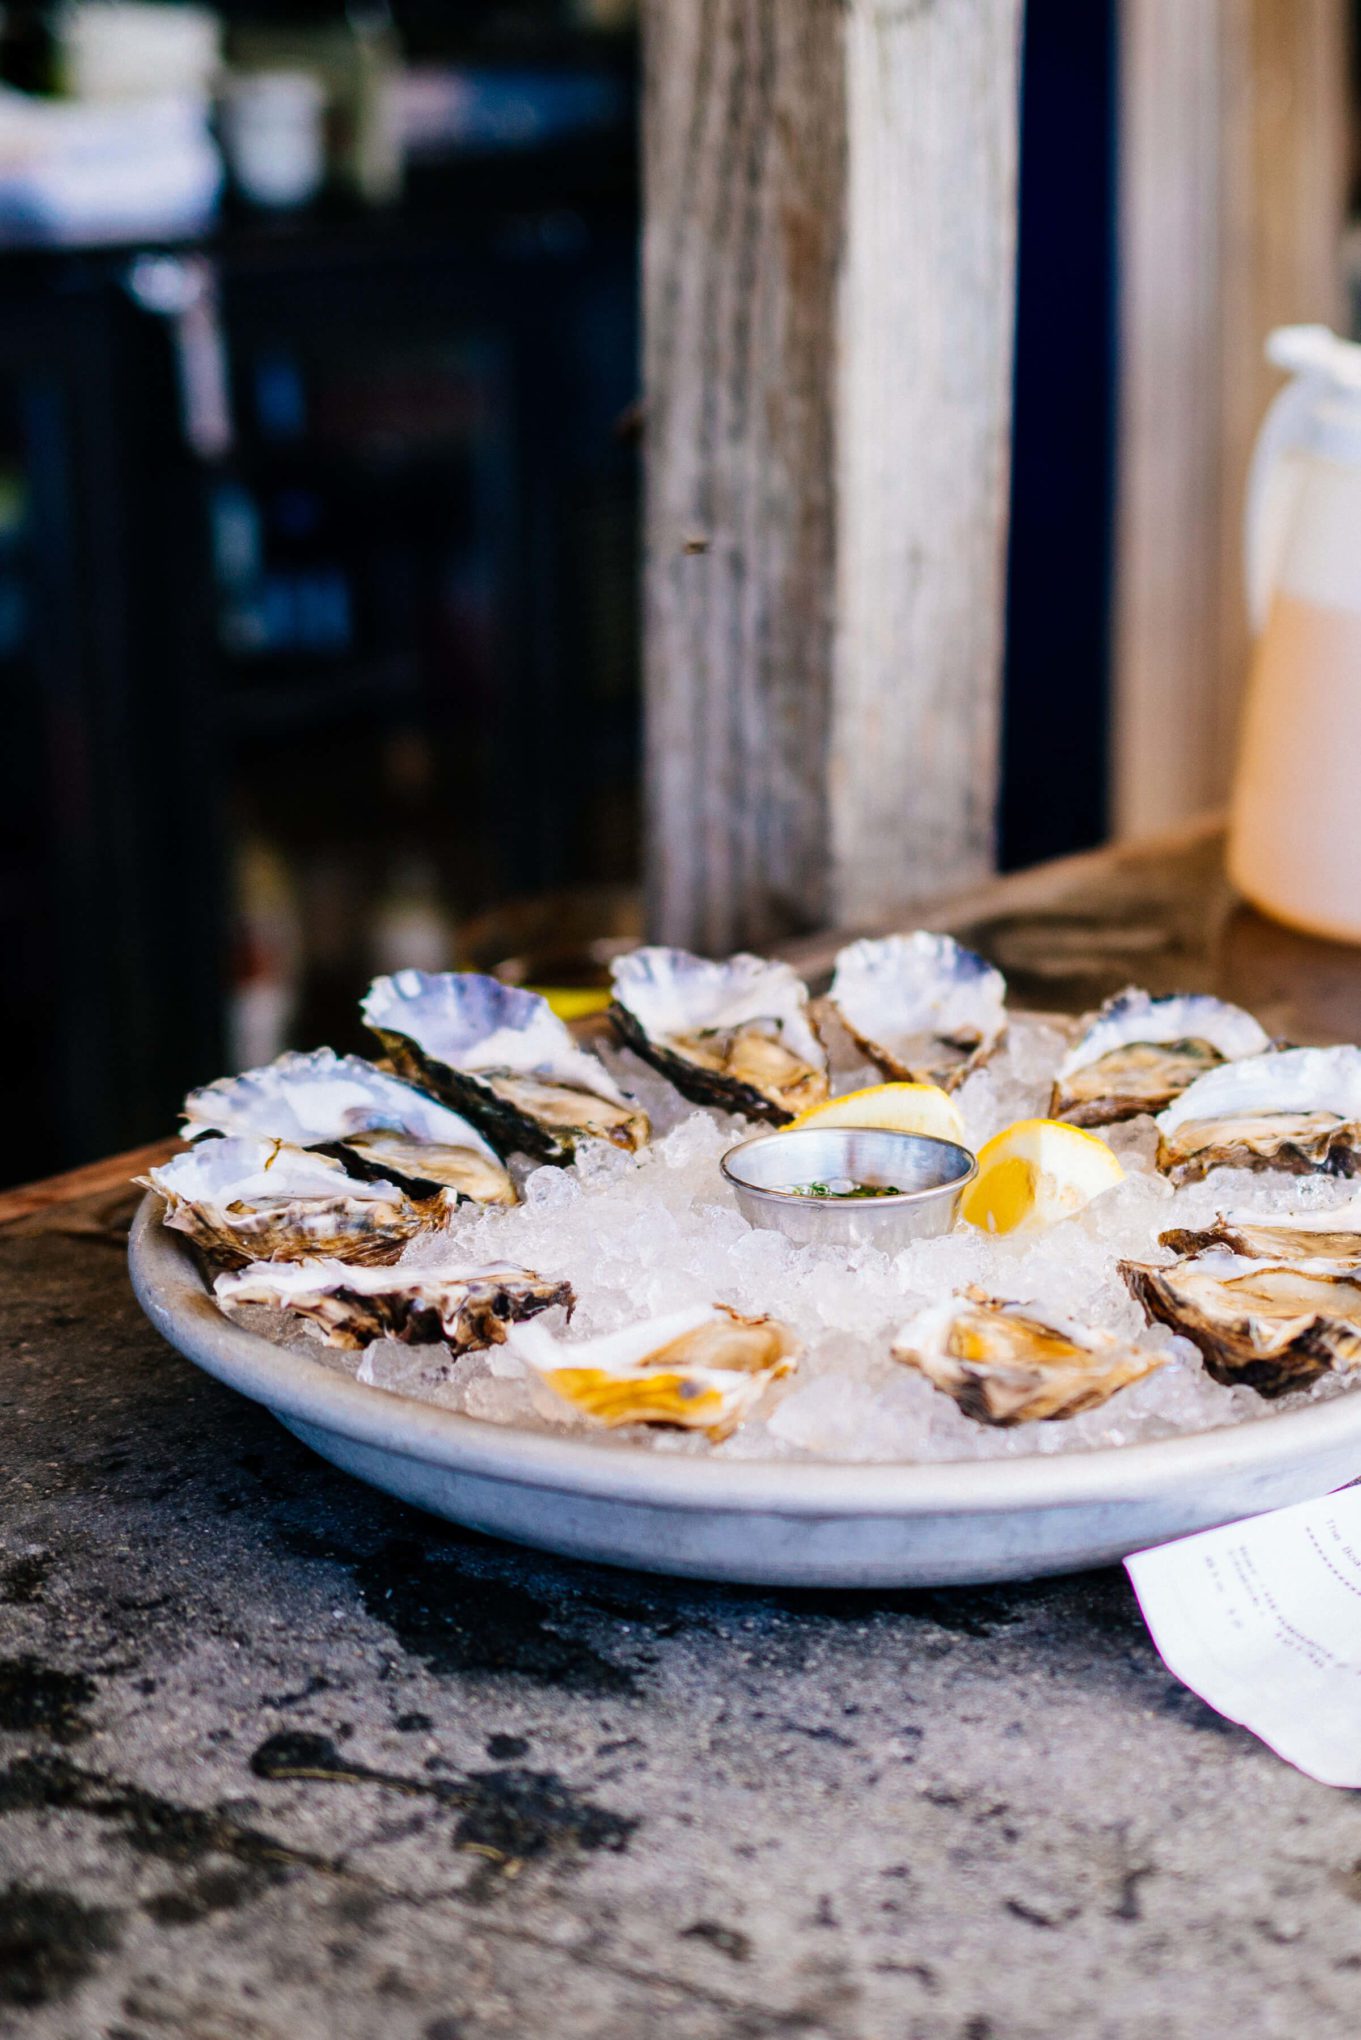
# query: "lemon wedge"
{"type": "Point", "coordinates": [573, 1002]}
{"type": "Point", "coordinates": [899, 1108]}
{"type": "Point", "coordinates": [1036, 1172]}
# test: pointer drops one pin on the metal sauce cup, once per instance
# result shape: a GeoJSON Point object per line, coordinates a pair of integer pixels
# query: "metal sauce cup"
{"type": "Point", "coordinates": [930, 1174]}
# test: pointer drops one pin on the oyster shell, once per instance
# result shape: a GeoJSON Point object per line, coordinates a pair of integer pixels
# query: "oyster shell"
{"type": "Point", "coordinates": [1270, 1325]}
{"type": "Point", "coordinates": [1011, 1363]}
{"type": "Point", "coordinates": [243, 1199]}
{"type": "Point", "coordinates": [735, 1034]}
{"type": "Point", "coordinates": [355, 1305]}
{"type": "Point", "coordinates": [501, 1054]}
{"type": "Point", "coordinates": [1299, 1110]}
{"type": "Point", "coordinates": [1276, 1236]}
{"type": "Point", "coordinates": [1140, 1053]}
{"type": "Point", "coordinates": [373, 1122]}
{"type": "Point", "coordinates": [703, 1369]}
{"type": "Point", "coordinates": [921, 1006]}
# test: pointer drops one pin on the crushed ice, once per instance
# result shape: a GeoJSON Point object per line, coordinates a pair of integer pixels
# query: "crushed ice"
{"type": "Point", "coordinates": [640, 1234]}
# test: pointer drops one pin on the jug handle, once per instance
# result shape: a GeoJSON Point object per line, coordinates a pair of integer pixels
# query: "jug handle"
{"type": "Point", "coordinates": [1273, 487]}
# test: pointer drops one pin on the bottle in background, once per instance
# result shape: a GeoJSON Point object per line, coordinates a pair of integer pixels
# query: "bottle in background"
{"type": "Point", "coordinates": [266, 956]}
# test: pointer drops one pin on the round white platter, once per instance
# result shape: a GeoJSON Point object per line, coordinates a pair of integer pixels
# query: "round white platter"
{"type": "Point", "coordinates": [781, 1522]}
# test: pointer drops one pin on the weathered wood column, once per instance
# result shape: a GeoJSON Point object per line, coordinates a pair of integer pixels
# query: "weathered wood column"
{"type": "Point", "coordinates": [829, 255]}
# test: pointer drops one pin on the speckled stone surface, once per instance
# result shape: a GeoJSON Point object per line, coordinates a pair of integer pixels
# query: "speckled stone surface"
{"type": "Point", "coordinates": [281, 1759]}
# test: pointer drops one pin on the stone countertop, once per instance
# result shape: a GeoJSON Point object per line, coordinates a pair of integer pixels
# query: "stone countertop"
{"type": "Point", "coordinates": [280, 1758]}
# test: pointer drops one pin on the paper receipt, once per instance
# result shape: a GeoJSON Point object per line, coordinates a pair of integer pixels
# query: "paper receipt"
{"type": "Point", "coordinates": [1263, 1620]}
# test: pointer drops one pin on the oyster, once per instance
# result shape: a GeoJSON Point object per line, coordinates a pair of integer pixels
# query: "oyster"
{"type": "Point", "coordinates": [353, 1306]}
{"type": "Point", "coordinates": [1140, 1053]}
{"type": "Point", "coordinates": [242, 1199]}
{"type": "Point", "coordinates": [1273, 1326]}
{"type": "Point", "coordinates": [920, 1006]}
{"type": "Point", "coordinates": [1299, 1110]}
{"type": "Point", "coordinates": [734, 1034]}
{"type": "Point", "coordinates": [703, 1369]}
{"type": "Point", "coordinates": [501, 1054]}
{"type": "Point", "coordinates": [1276, 1236]}
{"type": "Point", "coordinates": [373, 1122]}
{"type": "Point", "coordinates": [1008, 1363]}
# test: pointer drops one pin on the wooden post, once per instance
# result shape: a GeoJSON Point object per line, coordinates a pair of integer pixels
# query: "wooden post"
{"type": "Point", "coordinates": [1233, 187]}
{"type": "Point", "coordinates": [829, 256]}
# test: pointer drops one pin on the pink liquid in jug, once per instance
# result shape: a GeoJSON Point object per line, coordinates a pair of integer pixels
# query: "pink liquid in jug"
{"type": "Point", "coordinates": [1295, 839]}
{"type": "Point", "coordinates": [1295, 844]}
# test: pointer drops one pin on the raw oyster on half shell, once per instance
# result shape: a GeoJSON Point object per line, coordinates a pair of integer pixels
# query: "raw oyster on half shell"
{"type": "Point", "coordinates": [1140, 1053]}
{"type": "Point", "coordinates": [1276, 1236]}
{"type": "Point", "coordinates": [243, 1199]}
{"type": "Point", "coordinates": [502, 1055]}
{"type": "Point", "coordinates": [1297, 1110]}
{"type": "Point", "coordinates": [922, 1007]}
{"type": "Point", "coordinates": [703, 1369]}
{"type": "Point", "coordinates": [1013, 1363]}
{"type": "Point", "coordinates": [375, 1123]}
{"type": "Point", "coordinates": [734, 1034]}
{"type": "Point", "coordinates": [1271, 1325]}
{"type": "Point", "coordinates": [356, 1305]}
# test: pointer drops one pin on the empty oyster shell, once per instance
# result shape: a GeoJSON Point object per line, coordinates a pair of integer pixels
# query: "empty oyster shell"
{"type": "Point", "coordinates": [734, 1034]}
{"type": "Point", "coordinates": [1140, 1053]}
{"type": "Point", "coordinates": [1276, 1236]}
{"type": "Point", "coordinates": [373, 1122]}
{"type": "Point", "coordinates": [353, 1306]}
{"type": "Point", "coordinates": [1298, 1110]}
{"type": "Point", "coordinates": [921, 1006]}
{"type": "Point", "coordinates": [1009, 1363]}
{"type": "Point", "coordinates": [1269, 1325]}
{"type": "Point", "coordinates": [501, 1054]}
{"type": "Point", "coordinates": [703, 1369]}
{"type": "Point", "coordinates": [242, 1199]}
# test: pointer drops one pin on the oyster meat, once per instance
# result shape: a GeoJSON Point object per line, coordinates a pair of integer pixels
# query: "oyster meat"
{"type": "Point", "coordinates": [1140, 1053]}
{"type": "Point", "coordinates": [734, 1034]}
{"type": "Point", "coordinates": [353, 1306]}
{"type": "Point", "coordinates": [1276, 1236]}
{"type": "Point", "coordinates": [372, 1121]}
{"type": "Point", "coordinates": [1298, 1109]}
{"type": "Point", "coordinates": [1011, 1363]}
{"type": "Point", "coordinates": [1270, 1325]}
{"type": "Point", "coordinates": [922, 1008]}
{"type": "Point", "coordinates": [243, 1199]}
{"type": "Point", "coordinates": [703, 1369]}
{"type": "Point", "coordinates": [501, 1054]}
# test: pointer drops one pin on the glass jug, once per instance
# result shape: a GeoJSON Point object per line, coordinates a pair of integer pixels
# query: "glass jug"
{"type": "Point", "coordinates": [1295, 834]}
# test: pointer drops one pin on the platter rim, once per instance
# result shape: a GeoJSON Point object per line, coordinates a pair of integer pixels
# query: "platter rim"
{"type": "Point", "coordinates": [298, 1390]}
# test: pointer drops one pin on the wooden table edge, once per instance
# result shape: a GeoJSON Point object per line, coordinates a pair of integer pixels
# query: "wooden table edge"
{"type": "Point", "coordinates": [95, 1179]}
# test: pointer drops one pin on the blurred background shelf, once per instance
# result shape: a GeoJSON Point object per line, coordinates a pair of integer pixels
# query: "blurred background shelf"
{"type": "Point", "coordinates": [297, 690]}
